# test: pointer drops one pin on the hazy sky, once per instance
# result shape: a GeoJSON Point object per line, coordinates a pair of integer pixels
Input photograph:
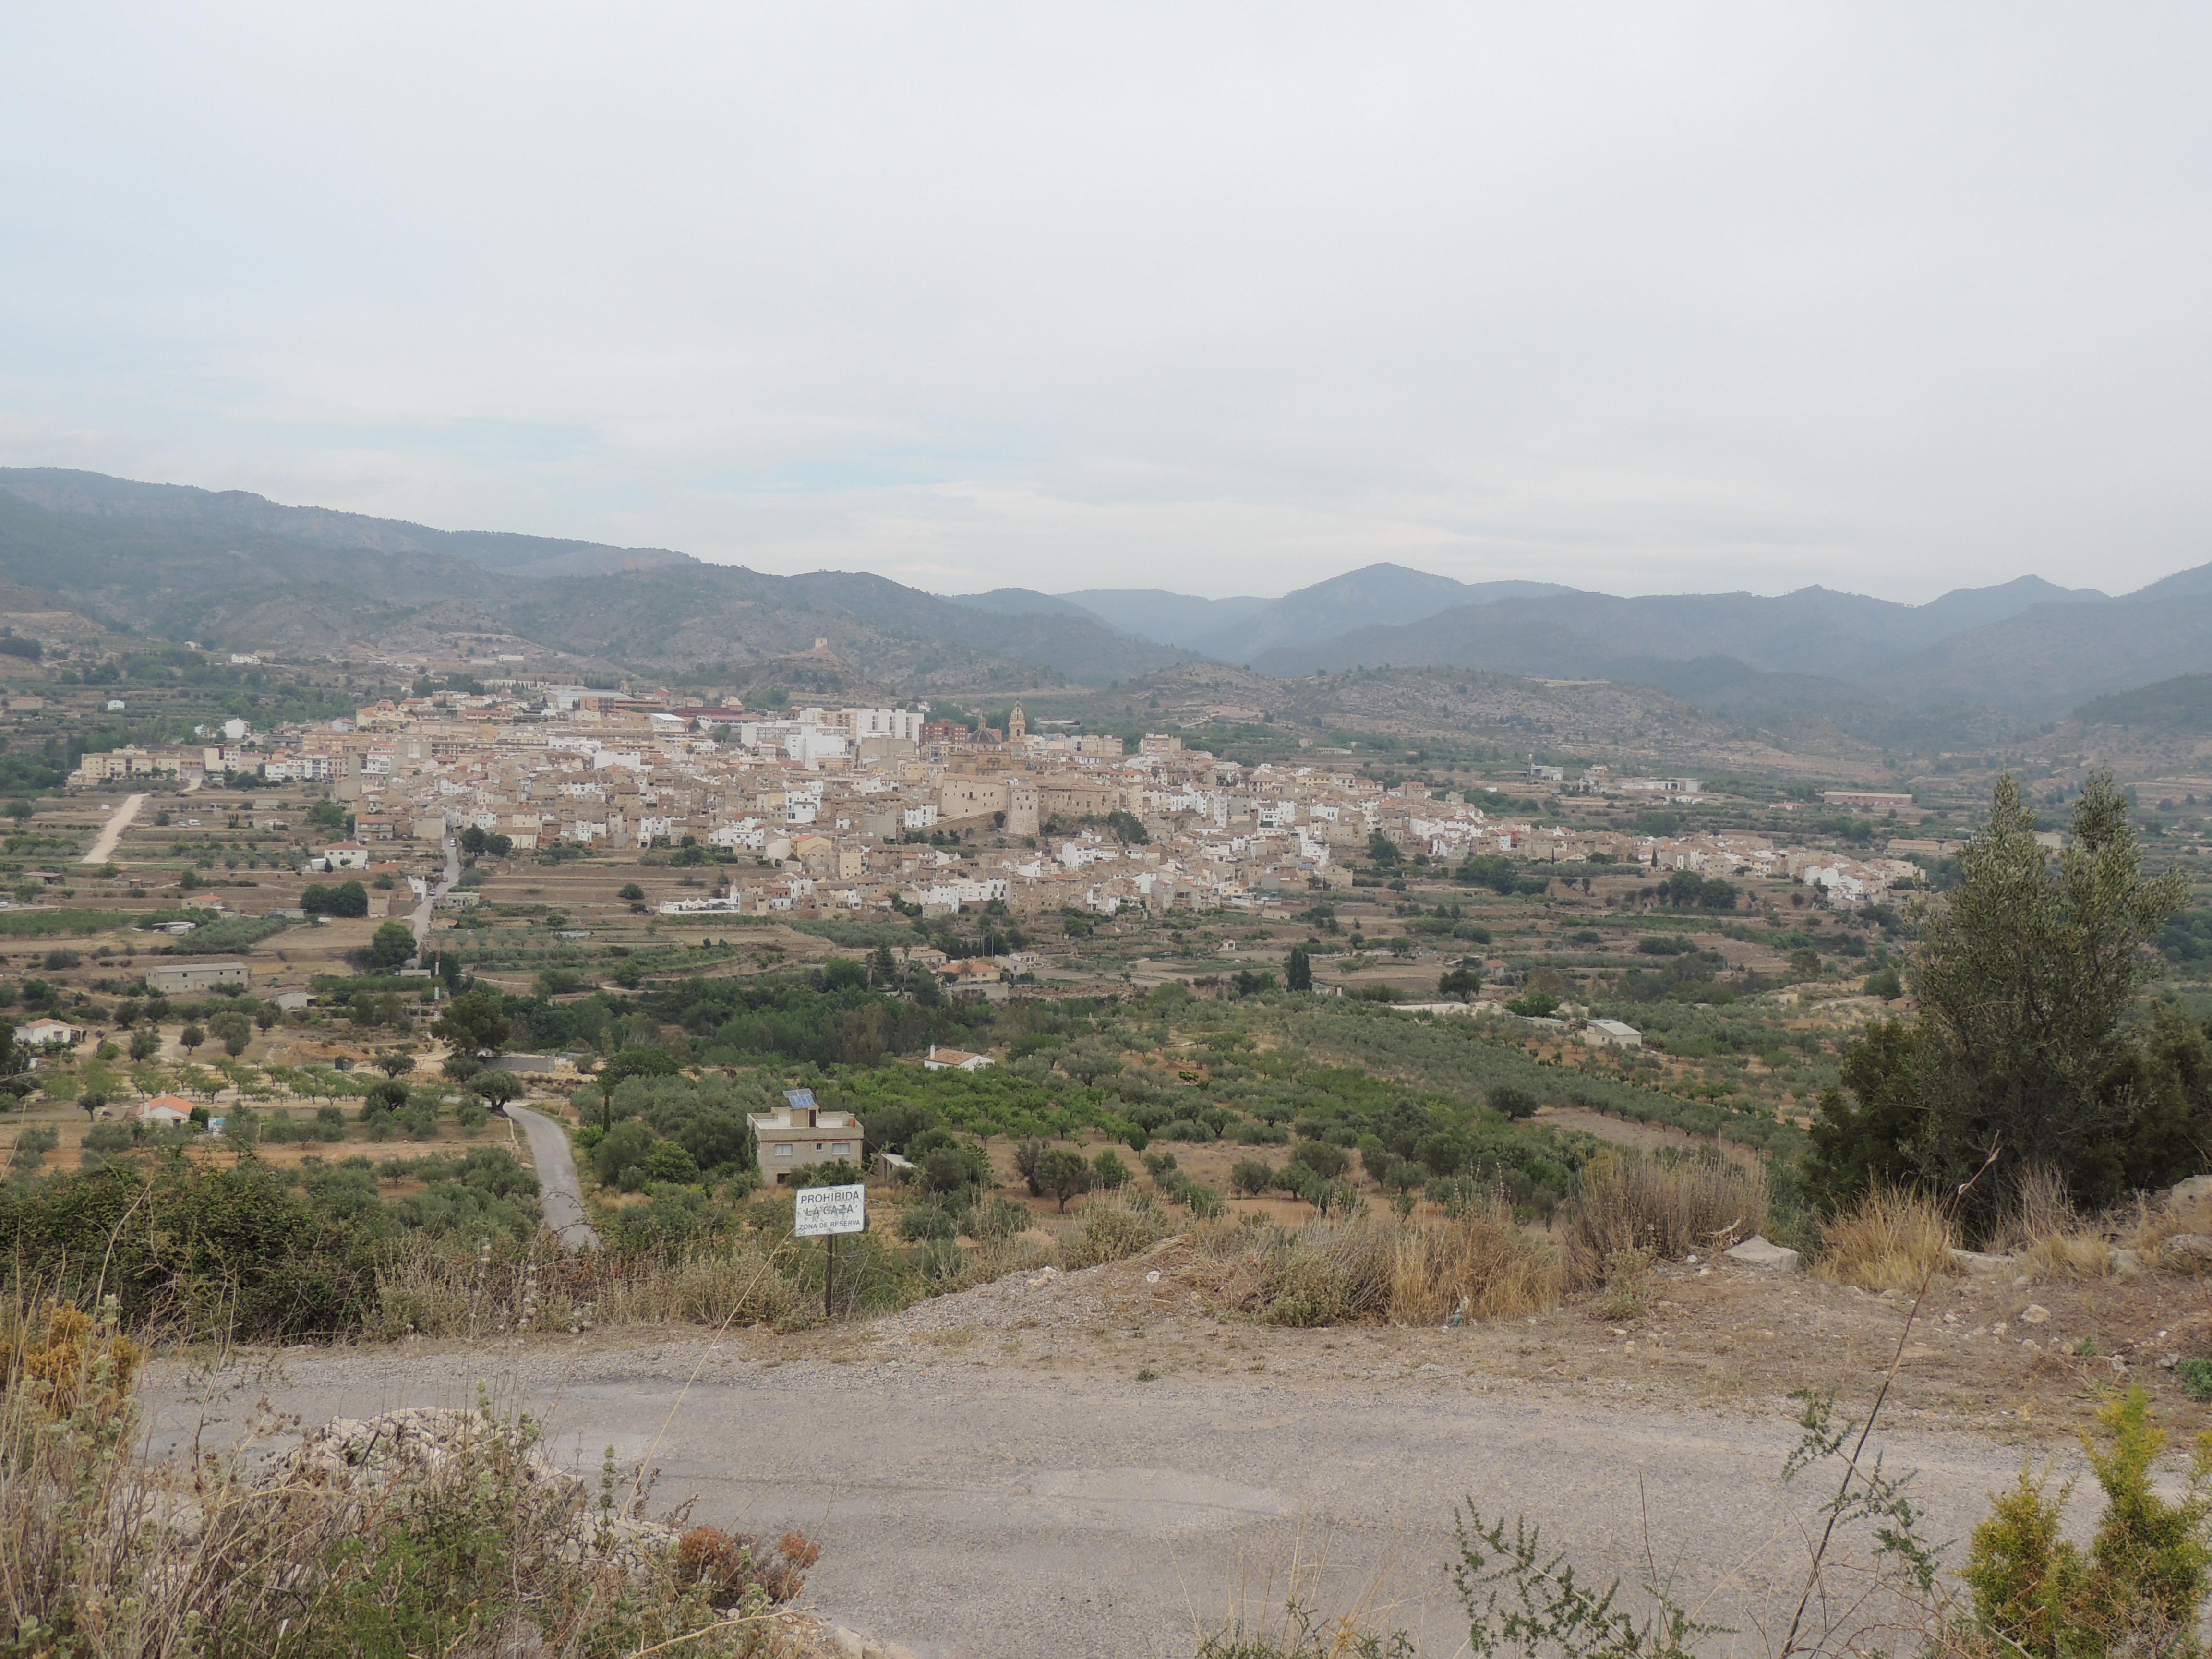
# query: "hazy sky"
{"type": "Point", "coordinates": [1224, 299]}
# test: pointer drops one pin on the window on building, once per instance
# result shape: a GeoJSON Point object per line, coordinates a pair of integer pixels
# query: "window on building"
{"type": "Point", "coordinates": [784, 1150]}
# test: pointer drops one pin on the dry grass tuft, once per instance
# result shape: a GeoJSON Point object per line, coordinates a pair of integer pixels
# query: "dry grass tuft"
{"type": "Point", "coordinates": [439, 1532]}
{"type": "Point", "coordinates": [2158, 1220]}
{"type": "Point", "coordinates": [1892, 1240]}
{"type": "Point", "coordinates": [1625, 1292]}
{"type": "Point", "coordinates": [1669, 1208]}
{"type": "Point", "coordinates": [2074, 1255]}
{"type": "Point", "coordinates": [2051, 1239]}
{"type": "Point", "coordinates": [1480, 1263]}
{"type": "Point", "coordinates": [1376, 1266]}
{"type": "Point", "coordinates": [1114, 1232]}
{"type": "Point", "coordinates": [995, 1258]}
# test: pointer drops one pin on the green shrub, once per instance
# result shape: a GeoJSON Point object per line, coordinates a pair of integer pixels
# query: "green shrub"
{"type": "Point", "coordinates": [622, 1153]}
{"type": "Point", "coordinates": [830, 1172]}
{"type": "Point", "coordinates": [668, 1161]}
{"type": "Point", "coordinates": [213, 1251]}
{"type": "Point", "coordinates": [934, 1218]}
{"type": "Point", "coordinates": [32, 1146]}
{"type": "Point", "coordinates": [1508, 1101]}
{"type": "Point", "coordinates": [1328, 1162]}
{"type": "Point", "coordinates": [2139, 1587]}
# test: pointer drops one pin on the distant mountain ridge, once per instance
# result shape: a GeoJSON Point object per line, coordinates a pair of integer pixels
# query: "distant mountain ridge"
{"type": "Point", "coordinates": [1153, 613]}
{"type": "Point", "coordinates": [2026, 648]}
{"type": "Point", "coordinates": [95, 495]}
{"type": "Point", "coordinates": [1375, 596]}
{"type": "Point", "coordinates": [1236, 630]}
{"type": "Point", "coordinates": [228, 566]}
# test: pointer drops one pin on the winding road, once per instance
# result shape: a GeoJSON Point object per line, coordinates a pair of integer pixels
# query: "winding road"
{"type": "Point", "coordinates": [560, 1196]}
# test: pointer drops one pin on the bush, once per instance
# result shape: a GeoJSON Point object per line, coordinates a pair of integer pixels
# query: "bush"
{"type": "Point", "coordinates": [934, 1218]}
{"type": "Point", "coordinates": [1328, 1162]}
{"type": "Point", "coordinates": [1251, 1177]}
{"type": "Point", "coordinates": [667, 1161]}
{"type": "Point", "coordinates": [1002, 1218]}
{"type": "Point", "coordinates": [2139, 1588]}
{"type": "Point", "coordinates": [1516, 1103]}
{"type": "Point", "coordinates": [457, 1536]}
{"type": "Point", "coordinates": [1114, 1232]}
{"type": "Point", "coordinates": [1670, 1207]}
{"type": "Point", "coordinates": [209, 1251]}
{"type": "Point", "coordinates": [32, 1146]}
{"type": "Point", "coordinates": [618, 1160]}
{"type": "Point", "coordinates": [1890, 1240]}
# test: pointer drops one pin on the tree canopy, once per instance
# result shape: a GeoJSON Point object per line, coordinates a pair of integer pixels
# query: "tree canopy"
{"type": "Point", "coordinates": [2025, 1041]}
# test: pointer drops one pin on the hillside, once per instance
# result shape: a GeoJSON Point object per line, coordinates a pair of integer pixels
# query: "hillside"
{"type": "Point", "coordinates": [1590, 720]}
{"type": "Point", "coordinates": [234, 568]}
{"type": "Point", "coordinates": [2179, 708]}
{"type": "Point", "coordinates": [184, 512]}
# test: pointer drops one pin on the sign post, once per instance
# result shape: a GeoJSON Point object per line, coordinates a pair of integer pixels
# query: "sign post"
{"type": "Point", "coordinates": [824, 1212]}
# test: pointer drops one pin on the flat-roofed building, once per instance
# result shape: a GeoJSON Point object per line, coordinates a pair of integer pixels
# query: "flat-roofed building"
{"type": "Point", "coordinates": [182, 978]}
{"type": "Point", "coordinates": [799, 1132]}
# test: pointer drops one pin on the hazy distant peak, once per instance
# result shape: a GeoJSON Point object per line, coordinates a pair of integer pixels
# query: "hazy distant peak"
{"type": "Point", "coordinates": [239, 511]}
{"type": "Point", "coordinates": [1381, 595]}
{"type": "Point", "coordinates": [1023, 602]}
{"type": "Point", "coordinates": [1168, 618]}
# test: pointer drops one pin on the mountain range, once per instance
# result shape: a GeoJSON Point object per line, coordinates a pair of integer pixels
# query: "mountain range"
{"type": "Point", "coordinates": [1238, 631]}
{"type": "Point", "coordinates": [1986, 657]}
{"type": "Point", "coordinates": [230, 567]}
{"type": "Point", "coordinates": [235, 569]}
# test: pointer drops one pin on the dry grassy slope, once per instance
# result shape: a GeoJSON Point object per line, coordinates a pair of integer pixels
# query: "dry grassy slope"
{"type": "Point", "coordinates": [39, 614]}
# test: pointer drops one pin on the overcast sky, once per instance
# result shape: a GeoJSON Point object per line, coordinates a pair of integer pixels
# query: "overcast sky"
{"type": "Point", "coordinates": [1224, 299]}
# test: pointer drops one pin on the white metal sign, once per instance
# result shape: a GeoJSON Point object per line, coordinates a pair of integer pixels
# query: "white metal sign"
{"type": "Point", "coordinates": [830, 1210]}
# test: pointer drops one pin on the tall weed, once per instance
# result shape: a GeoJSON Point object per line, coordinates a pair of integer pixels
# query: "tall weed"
{"type": "Point", "coordinates": [1378, 1266]}
{"type": "Point", "coordinates": [1892, 1239]}
{"type": "Point", "coordinates": [1670, 1207]}
{"type": "Point", "coordinates": [432, 1532]}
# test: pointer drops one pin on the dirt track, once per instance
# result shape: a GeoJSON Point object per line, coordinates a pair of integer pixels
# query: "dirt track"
{"type": "Point", "coordinates": [990, 1477]}
{"type": "Point", "coordinates": [103, 845]}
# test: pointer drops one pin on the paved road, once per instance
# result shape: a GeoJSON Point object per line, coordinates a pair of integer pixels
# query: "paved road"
{"type": "Point", "coordinates": [977, 1513]}
{"type": "Point", "coordinates": [560, 1197]}
{"type": "Point", "coordinates": [419, 922]}
{"type": "Point", "coordinates": [117, 821]}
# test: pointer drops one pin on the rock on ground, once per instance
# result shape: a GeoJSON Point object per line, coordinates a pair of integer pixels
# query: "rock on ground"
{"type": "Point", "coordinates": [1759, 1251]}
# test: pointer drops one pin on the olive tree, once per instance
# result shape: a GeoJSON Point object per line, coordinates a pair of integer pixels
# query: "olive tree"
{"type": "Point", "coordinates": [2023, 1045]}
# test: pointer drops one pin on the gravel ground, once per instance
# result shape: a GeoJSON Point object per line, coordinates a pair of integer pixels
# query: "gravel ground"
{"type": "Point", "coordinates": [1091, 1463]}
